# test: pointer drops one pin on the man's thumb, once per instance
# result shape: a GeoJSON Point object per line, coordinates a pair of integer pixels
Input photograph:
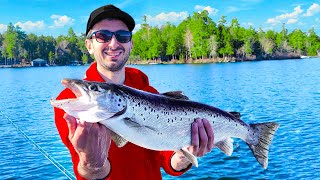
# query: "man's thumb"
{"type": "Point", "coordinates": [72, 124]}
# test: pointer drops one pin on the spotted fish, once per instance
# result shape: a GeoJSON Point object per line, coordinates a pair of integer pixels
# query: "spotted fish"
{"type": "Point", "coordinates": [160, 121]}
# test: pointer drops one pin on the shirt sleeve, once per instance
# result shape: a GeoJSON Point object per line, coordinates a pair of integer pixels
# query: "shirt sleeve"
{"type": "Point", "coordinates": [165, 157]}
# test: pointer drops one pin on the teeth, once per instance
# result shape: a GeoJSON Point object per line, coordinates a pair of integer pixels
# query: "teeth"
{"type": "Point", "coordinates": [113, 53]}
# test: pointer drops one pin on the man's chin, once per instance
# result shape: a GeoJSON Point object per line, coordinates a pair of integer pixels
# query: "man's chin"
{"type": "Point", "coordinates": [115, 67]}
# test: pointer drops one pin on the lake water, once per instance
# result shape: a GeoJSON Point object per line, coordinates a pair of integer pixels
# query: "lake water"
{"type": "Point", "coordinates": [286, 91]}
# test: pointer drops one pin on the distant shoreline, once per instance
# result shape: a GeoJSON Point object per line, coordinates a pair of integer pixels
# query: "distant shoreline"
{"type": "Point", "coordinates": [207, 61]}
{"type": "Point", "coordinates": [197, 61]}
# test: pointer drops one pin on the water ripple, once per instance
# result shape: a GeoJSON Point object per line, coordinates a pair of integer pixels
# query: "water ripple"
{"type": "Point", "coordinates": [261, 91]}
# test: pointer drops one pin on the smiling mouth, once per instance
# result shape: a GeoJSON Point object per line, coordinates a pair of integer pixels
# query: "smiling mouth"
{"type": "Point", "coordinates": [113, 54]}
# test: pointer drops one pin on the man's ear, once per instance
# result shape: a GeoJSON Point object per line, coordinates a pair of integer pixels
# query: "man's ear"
{"type": "Point", "coordinates": [89, 46]}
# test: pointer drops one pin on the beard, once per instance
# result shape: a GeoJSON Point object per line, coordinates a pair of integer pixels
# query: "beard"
{"type": "Point", "coordinates": [117, 64]}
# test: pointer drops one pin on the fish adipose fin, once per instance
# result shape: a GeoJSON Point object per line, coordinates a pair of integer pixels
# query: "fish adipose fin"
{"type": "Point", "coordinates": [235, 114]}
{"type": "Point", "coordinates": [260, 150]}
{"type": "Point", "coordinates": [226, 146]}
{"type": "Point", "coordinates": [118, 140]}
{"type": "Point", "coordinates": [193, 159]}
{"type": "Point", "coordinates": [176, 95]}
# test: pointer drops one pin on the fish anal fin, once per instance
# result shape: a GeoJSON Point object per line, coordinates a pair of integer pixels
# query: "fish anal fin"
{"type": "Point", "coordinates": [176, 95]}
{"type": "Point", "coordinates": [193, 159]}
{"type": "Point", "coordinates": [226, 146]}
{"type": "Point", "coordinates": [118, 140]}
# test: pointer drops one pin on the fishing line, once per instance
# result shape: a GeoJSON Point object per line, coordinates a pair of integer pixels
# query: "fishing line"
{"type": "Point", "coordinates": [42, 151]}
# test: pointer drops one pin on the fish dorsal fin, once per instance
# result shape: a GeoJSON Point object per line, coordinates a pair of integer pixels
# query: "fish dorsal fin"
{"type": "Point", "coordinates": [176, 95]}
{"type": "Point", "coordinates": [118, 140]}
{"type": "Point", "coordinates": [226, 146]}
{"type": "Point", "coordinates": [193, 159]}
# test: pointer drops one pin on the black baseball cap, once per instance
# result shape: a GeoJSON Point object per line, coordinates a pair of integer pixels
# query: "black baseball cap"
{"type": "Point", "coordinates": [109, 11]}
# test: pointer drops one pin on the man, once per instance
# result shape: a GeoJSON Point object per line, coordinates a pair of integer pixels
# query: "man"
{"type": "Point", "coordinates": [94, 155]}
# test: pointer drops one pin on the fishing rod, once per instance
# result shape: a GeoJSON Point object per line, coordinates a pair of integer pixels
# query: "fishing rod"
{"type": "Point", "coordinates": [67, 173]}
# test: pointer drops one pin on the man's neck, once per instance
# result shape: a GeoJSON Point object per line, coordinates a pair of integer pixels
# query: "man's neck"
{"type": "Point", "coordinates": [117, 77]}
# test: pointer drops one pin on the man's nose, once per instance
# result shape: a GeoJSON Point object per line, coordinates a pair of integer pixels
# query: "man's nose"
{"type": "Point", "coordinates": [113, 41]}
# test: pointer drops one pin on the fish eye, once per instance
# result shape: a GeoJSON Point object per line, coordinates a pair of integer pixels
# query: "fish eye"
{"type": "Point", "coordinates": [93, 87]}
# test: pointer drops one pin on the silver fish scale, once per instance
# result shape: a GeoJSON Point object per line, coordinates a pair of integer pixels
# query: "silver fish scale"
{"type": "Point", "coordinates": [171, 121]}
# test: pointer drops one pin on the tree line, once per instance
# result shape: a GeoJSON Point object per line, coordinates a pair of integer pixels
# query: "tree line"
{"type": "Point", "coordinates": [17, 45]}
{"type": "Point", "coordinates": [197, 37]}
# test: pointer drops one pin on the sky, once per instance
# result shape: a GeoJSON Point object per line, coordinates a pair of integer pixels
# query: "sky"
{"type": "Point", "coordinates": [55, 17]}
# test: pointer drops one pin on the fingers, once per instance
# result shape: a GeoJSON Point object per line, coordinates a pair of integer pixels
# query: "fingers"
{"type": "Point", "coordinates": [194, 138]}
{"type": "Point", "coordinates": [202, 137]}
{"type": "Point", "coordinates": [72, 124]}
{"type": "Point", "coordinates": [210, 136]}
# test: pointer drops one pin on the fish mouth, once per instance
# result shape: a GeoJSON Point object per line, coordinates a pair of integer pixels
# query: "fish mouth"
{"type": "Point", "coordinates": [74, 87]}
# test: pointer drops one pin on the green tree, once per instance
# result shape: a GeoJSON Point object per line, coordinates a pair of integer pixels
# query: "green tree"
{"type": "Point", "coordinates": [141, 40]}
{"type": "Point", "coordinates": [282, 40]}
{"type": "Point", "coordinates": [236, 33]}
{"type": "Point", "coordinates": [10, 48]}
{"type": "Point", "coordinates": [199, 25]}
{"type": "Point", "coordinates": [51, 58]}
{"type": "Point", "coordinates": [168, 40]}
{"type": "Point", "coordinates": [84, 58]}
{"type": "Point", "coordinates": [213, 46]}
{"type": "Point", "coordinates": [30, 44]}
{"type": "Point", "coordinates": [155, 44]}
{"type": "Point", "coordinates": [297, 40]}
{"type": "Point", "coordinates": [189, 43]}
{"type": "Point", "coordinates": [225, 47]}
{"type": "Point", "coordinates": [75, 52]}
{"type": "Point", "coordinates": [250, 42]}
{"type": "Point", "coordinates": [312, 43]}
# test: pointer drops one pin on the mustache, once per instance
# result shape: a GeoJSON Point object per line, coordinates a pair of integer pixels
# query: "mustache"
{"type": "Point", "coordinates": [116, 49]}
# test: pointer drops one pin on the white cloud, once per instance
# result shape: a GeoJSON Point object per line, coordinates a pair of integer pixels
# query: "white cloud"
{"type": "Point", "coordinates": [163, 18]}
{"type": "Point", "coordinates": [137, 27]}
{"type": "Point", "coordinates": [287, 17]}
{"type": "Point", "coordinates": [61, 21]}
{"type": "Point", "coordinates": [3, 28]}
{"type": "Point", "coordinates": [30, 26]}
{"type": "Point", "coordinates": [313, 9]}
{"type": "Point", "coordinates": [231, 9]}
{"type": "Point", "coordinates": [211, 11]}
{"type": "Point", "coordinates": [292, 21]}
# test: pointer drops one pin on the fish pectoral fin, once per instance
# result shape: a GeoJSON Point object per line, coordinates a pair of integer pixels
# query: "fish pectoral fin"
{"type": "Point", "coordinates": [226, 146]}
{"type": "Point", "coordinates": [118, 140]}
{"type": "Point", "coordinates": [193, 159]}
{"type": "Point", "coordinates": [176, 95]}
{"type": "Point", "coordinates": [96, 115]}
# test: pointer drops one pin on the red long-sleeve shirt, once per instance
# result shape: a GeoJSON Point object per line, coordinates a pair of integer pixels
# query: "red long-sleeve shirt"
{"type": "Point", "coordinates": [130, 161]}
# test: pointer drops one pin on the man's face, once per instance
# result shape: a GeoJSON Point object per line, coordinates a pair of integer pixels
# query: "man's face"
{"type": "Point", "coordinates": [112, 55]}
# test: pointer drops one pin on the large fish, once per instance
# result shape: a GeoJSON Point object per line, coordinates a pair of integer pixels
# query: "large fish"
{"type": "Point", "coordinates": [160, 121]}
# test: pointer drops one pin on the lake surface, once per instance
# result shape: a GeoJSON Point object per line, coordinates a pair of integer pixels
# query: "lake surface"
{"type": "Point", "coordinates": [286, 91]}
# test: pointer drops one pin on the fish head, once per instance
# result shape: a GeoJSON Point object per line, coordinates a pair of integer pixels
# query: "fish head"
{"type": "Point", "coordinates": [94, 102]}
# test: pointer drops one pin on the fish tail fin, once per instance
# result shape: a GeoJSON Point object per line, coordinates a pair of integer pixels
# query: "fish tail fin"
{"type": "Point", "coordinates": [264, 133]}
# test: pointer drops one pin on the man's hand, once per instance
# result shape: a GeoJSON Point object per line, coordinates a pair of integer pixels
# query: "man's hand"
{"type": "Point", "coordinates": [92, 142]}
{"type": "Point", "coordinates": [202, 142]}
